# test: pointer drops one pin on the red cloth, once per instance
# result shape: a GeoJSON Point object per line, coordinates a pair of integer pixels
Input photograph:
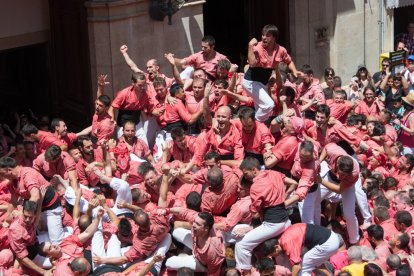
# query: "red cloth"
{"type": "Point", "coordinates": [21, 236]}
{"type": "Point", "coordinates": [185, 155]}
{"type": "Point", "coordinates": [198, 60]}
{"type": "Point", "coordinates": [292, 241]}
{"type": "Point", "coordinates": [372, 111]}
{"type": "Point", "coordinates": [127, 99]}
{"type": "Point", "coordinates": [139, 147]}
{"type": "Point", "coordinates": [285, 151]}
{"type": "Point", "coordinates": [62, 166]}
{"type": "Point", "coordinates": [267, 190]}
{"type": "Point", "coordinates": [239, 213]}
{"type": "Point", "coordinates": [174, 113]}
{"type": "Point", "coordinates": [46, 139]}
{"type": "Point", "coordinates": [255, 140]}
{"type": "Point", "coordinates": [27, 179]}
{"type": "Point", "coordinates": [279, 54]}
{"type": "Point", "coordinates": [339, 111]}
{"type": "Point", "coordinates": [102, 127]}
{"type": "Point", "coordinates": [313, 91]}
{"type": "Point", "coordinates": [306, 173]}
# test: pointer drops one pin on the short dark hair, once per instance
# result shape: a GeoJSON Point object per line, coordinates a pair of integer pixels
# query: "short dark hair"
{"type": "Point", "coordinates": [307, 69]}
{"type": "Point", "coordinates": [185, 271]}
{"type": "Point", "coordinates": [128, 122]}
{"type": "Point", "coordinates": [193, 201]}
{"type": "Point", "coordinates": [381, 213]}
{"type": "Point", "coordinates": [29, 129]}
{"type": "Point", "coordinates": [222, 82]}
{"type": "Point", "coordinates": [212, 155]}
{"type": "Point", "coordinates": [7, 163]}
{"type": "Point", "coordinates": [55, 123]}
{"type": "Point", "coordinates": [250, 163]}
{"type": "Point", "coordinates": [268, 247]}
{"type": "Point", "coordinates": [345, 164]}
{"type": "Point", "coordinates": [337, 82]}
{"type": "Point", "coordinates": [81, 139]}
{"type": "Point", "coordinates": [372, 269]}
{"type": "Point", "coordinates": [124, 227]}
{"type": "Point", "coordinates": [369, 87]}
{"type": "Point", "coordinates": [159, 81]}
{"type": "Point", "coordinates": [329, 70]}
{"type": "Point", "coordinates": [404, 217]}
{"type": "Point", "coordinates": [404, 240]}
{"type": "Point", "coordinates": [52, 153]}
{"type": "Point", "coordinates": [145, 167]}
{"type": "Point", "coordinates": [342, 93]}
{"type": "Point", "coordinates": [393, 261]}
{"type": "Point", "coordinates": [208, 218]}
{"type": "Point", "coordinates": [209, 39]}
{"type": "Point", "coordinates": [41, 249]}
{"type": "Point", "coordinates": [265, 264]}
{"type": "Point", "coordinates": [223, 64]}
{"type": "Point", "coordinates": [352, 120]}
{"type": "Point", "coordinates": [307, 145]}
{"type": "Point", "coordinates": [247, 113]}
{"type": "Point", "coordinates": [271, 29]}
{"type": "Point", "coordinates": [137, 76]}
{"type": "Point", "coordinates": [30, 206]}
{"type": "Point", "coordinates": [381, 200]}
{"type": "Point", "coordinates": [323, 108]}
{"type": "Point", "coordinates": [379, 128]}
{"type": "Point", "coordinates": [174, 88]}
{"type": "Point", "coordinates": [389, 182]}
{"type": "Point", "coordinates": [177, 132]}
{"type": "Point", "coordinates": [105, 100]}
{"type": "Point", "coordinates": [375, 231]}
{"type": "Point", "coordinates": [403, 270]}
{"type": "Point", "coordinates": [410, 160]}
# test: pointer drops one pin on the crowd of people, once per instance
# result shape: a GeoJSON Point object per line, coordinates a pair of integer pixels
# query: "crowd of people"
{"type": "Point", "coordinates": [219, 170]}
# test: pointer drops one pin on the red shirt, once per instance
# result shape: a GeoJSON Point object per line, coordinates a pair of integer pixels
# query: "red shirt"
{"type": "Point", "coordinates": [62, 166]}
{"type": "Point", "coordinates": [285, 151]}
{"type": "Point", "coordinates": [267, 190]}
{"type": "Point", "coordinates": [174, 113]}
{"type": "Point", "coordinates": [144, 244]}
{"type": "Point", "coordinates": [186, 154]}
{"type": "Point", "coordinates": [139, 147]}
{"type": "Point", "coordinates": [339, 111]}
{"type": "Point", "coordinates": [198, 60]}
{"type": "Point", "coordinates": [255, 140]}
{"type": "Point", "coordinates": [102, 127]}
{"type": "Point", "coordinates": [192, 104]}
{"type": "Point", "coordinates": [127, 99]}
{"type": "Point", "coordinates": [219, 201]}
{"type": "Point", "coordinates": [71, 248]}
{"type": "Point", "coordinates": [46, 139]}
{"type": "Point", "coordinates": [239, 213]}
{"type": "Point", "coordinates": [306, 173]}
{"type": "Point", "coordinates": [212, 254]}
{"type": "Point", "coordinates": [21, 236]}
{"type": "Point", "coordinates": [69, 139]}
{"type": "Point", "coordinates": [372, 110]}
{"type": "Point", "coordinates": [86, 178]}
{"type": "Point", "coordinates": [389, 228]}
{"type": "Point", "coordinates": [383, 252]}
{"type": "Point", "coordinates": [279, 54]}
{"type": "Point", "coordinates": [333, 152]}
{"type": "Point", "coordinates": [313, 91]}
{"type": "Point", "coordinates": [27, 179]}
{"type": "Point", "coordinates": [230, 144]}
{"type": "Point", "coordinates": [292, 241]}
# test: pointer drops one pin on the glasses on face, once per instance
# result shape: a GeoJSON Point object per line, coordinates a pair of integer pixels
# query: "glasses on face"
{"type": "Point", "coordinates": [385, 65]}
{"type": "Point", "coordinates": [329, 74]}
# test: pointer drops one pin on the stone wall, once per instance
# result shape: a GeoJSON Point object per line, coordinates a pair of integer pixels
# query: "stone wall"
{"type": "Point", "coordinates": [339, 33]}
{"type": "Point", "coordinates": [112, 24]}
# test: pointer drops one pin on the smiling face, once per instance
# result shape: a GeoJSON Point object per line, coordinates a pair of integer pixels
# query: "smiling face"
{"type": "Point", "coordinates": [52, 251]}
{"type": "Point", "coordinates": [223, 117]}
{"type": "Point", "coordinates": [369, 96]}
{"type": "Point", "coordinates": [152, 69]}
{"type": "Point", "coordinates": [206, 48]}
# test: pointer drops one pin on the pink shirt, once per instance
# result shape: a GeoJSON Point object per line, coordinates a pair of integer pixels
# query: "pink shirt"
{"type": "Point", "coordinates": [144, 244]}
{"type": "Point", "coordinates": [255, 140]}
{"type": "Point", "coordinates": [200, 176]}
{"type": "Point", "coordinates": [62, 166]}
{"type": "Point", "coordinates": [174, 113]}
{"type": "Point", "coordinates": [102, 127]}
{"type": "Point", "coordinates": [333, 153]}
{"type": "Point", "coordinates": [69, 139]}
{"type": "Point", "coordinates": [230, 144]}
{"type": "Point", "coordinates": [285, 151]}
{"type": "Point", "coordinates": [198, 60]}
{"type": "Point", "coordinates": [406, 139]}
{"type": "Point", "coordinates": [279, 54]}
{"type": "Point", "coordinates": [306, 173]}
{"type": "Point", "coordinates": [46, 139]}
{"type": "Point", "coordinates": [383, 252]}
{"type": "Point", "coordinates": [86, 178]}
{"type": "Point", "coordinates": [314, 91]}
{"type": "Point", "coordinates": [127, 99]}
{"type": "Point", "coordinates": [219, 201]}
{"type": "Point", "coordinates": [389, 228]}
{"type": "Point", "coordinates": [212, 254]}
{"type": "Point", "coordinates": [192, 104]}
{"type": "Point", "coordinates": [339, 111]}
{"type": "Point", "coordinates": [139, 147]}
{"type": "Point", "coordinates": [391, 134]}
{"type": "Point", "coordinates": [267, 190]}
{"type": "Point", "coordinates": [292, 241]}
{"type": "Point", "coordinates": [239, 213]}
{"type": "Point", "coordinates": [372, 110]}
{"type": "Point", "coordinates": [186, 154]}
{"type": "Point", "coordinates": [21, 236]}
{"type": "Point", "coordinates": [28, 179]}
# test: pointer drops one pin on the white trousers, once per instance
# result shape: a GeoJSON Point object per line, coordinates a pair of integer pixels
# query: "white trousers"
{"type": "Point", "coordinates": [53, 219]}
{"type": "Point", "coordinates": [244, 248]}
{"type": "Point", "coordinates": [230, 236]}
{"type": "Point", "coordinates": [160, 140]}
{"type": "Point", "coordinates": [319, 254]}
{"type": "Point", "coordinates": [307, 208]}
{"type": "Point", "coordinates": [123, 193]}
{"type": "Point", "coordinates": [348, 204]}
{"type": "Point", "coordinates": [263, 103]}
{"type": "Point", "coordinates": [183, 260]}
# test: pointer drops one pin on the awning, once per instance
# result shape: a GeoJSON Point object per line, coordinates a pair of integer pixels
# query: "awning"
{"type": "Point", "coordinates": [392, 4]}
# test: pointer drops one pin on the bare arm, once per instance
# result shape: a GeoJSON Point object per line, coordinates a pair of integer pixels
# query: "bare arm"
{"type": "Point", "coordinates": [176, 73]}
{"type": "Point", "coordinates": [128, 60]}
{"type": "Point", "coordinates": [384, 81]}
{"type": "Point", "coordinates": [251, 57]}
{"type": "Point", "coordinates": [404, 83]}
{"type": "Point", "coordinates": [30, 264]}
{"type": "Point", "coordinates": [235, 96]}
{"type": "Point", "coordinates": [233, 80]}
{"type": "Point", "coordinates": [206, 106]}
{"type": "Point", "coordinates": [73, 179]}
{"type": "Point", "coordinates": [85, 132]}
{"type": "Point", "coordinates": [76, 207]}
{"type": "Point", "coordinates": [88, 233]}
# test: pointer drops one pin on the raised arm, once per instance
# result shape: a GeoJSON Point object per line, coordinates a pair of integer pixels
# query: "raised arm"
{"type": "Point", "coordinates": [88, 233]}
{"type": "Point", "coordinates": [251, 57]}
{"type": "Point", "coordinates": [206, 105]}
{"type": "Point", "coordinates": [176, 73]}
{"type": "Point", "coordinates": [101, 84]}
{"type": "Point", "coordinates": [128, 60]}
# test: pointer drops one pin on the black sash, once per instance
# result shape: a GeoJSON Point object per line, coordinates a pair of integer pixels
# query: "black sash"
{"type": "Point", "coordinates": [258, 74]}
{"type": "Point", "coordinates": [275, 214]}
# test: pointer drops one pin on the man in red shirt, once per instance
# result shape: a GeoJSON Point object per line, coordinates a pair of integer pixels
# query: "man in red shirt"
{"type": "Point", "coordinates": [310, 89]}
{"type": "Point", "coordinates": [70, 248]}
{"type": "Point", "coordinates": [183, 146]}
{"type": "Point", "coordinates": [102, 122]}
{"type": "Point", "coordinates": [227, 141]}
{"type": "Point", "coordinates": [55, 161]}
{"type": "Point", "coordinates": [60, 130]}
{"type": "Point", "coordinates": [206, 59]}
{"type": "Point", "coordinates": [263, 58]}
{"type": "Point", "coordinates": [321, 243]}
{"type": "Point", "coordinates": [42, 139]}
{"type": "Point", "coordinates": [27, 183]}
{"type": "Point", "coordinates": [23, 239]}
{"type": "Point", "coordinates": [340, 107]}
{"type": "Point", "coordinates": [267, 193]}
{"type": "Point", "coordinates": [207, 245]}
{"type": "Point", "coordinates": [88, 158]}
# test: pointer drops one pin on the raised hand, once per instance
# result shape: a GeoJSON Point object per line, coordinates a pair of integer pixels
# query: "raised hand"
{"type": "Point", "coordinates": [123, 49]}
